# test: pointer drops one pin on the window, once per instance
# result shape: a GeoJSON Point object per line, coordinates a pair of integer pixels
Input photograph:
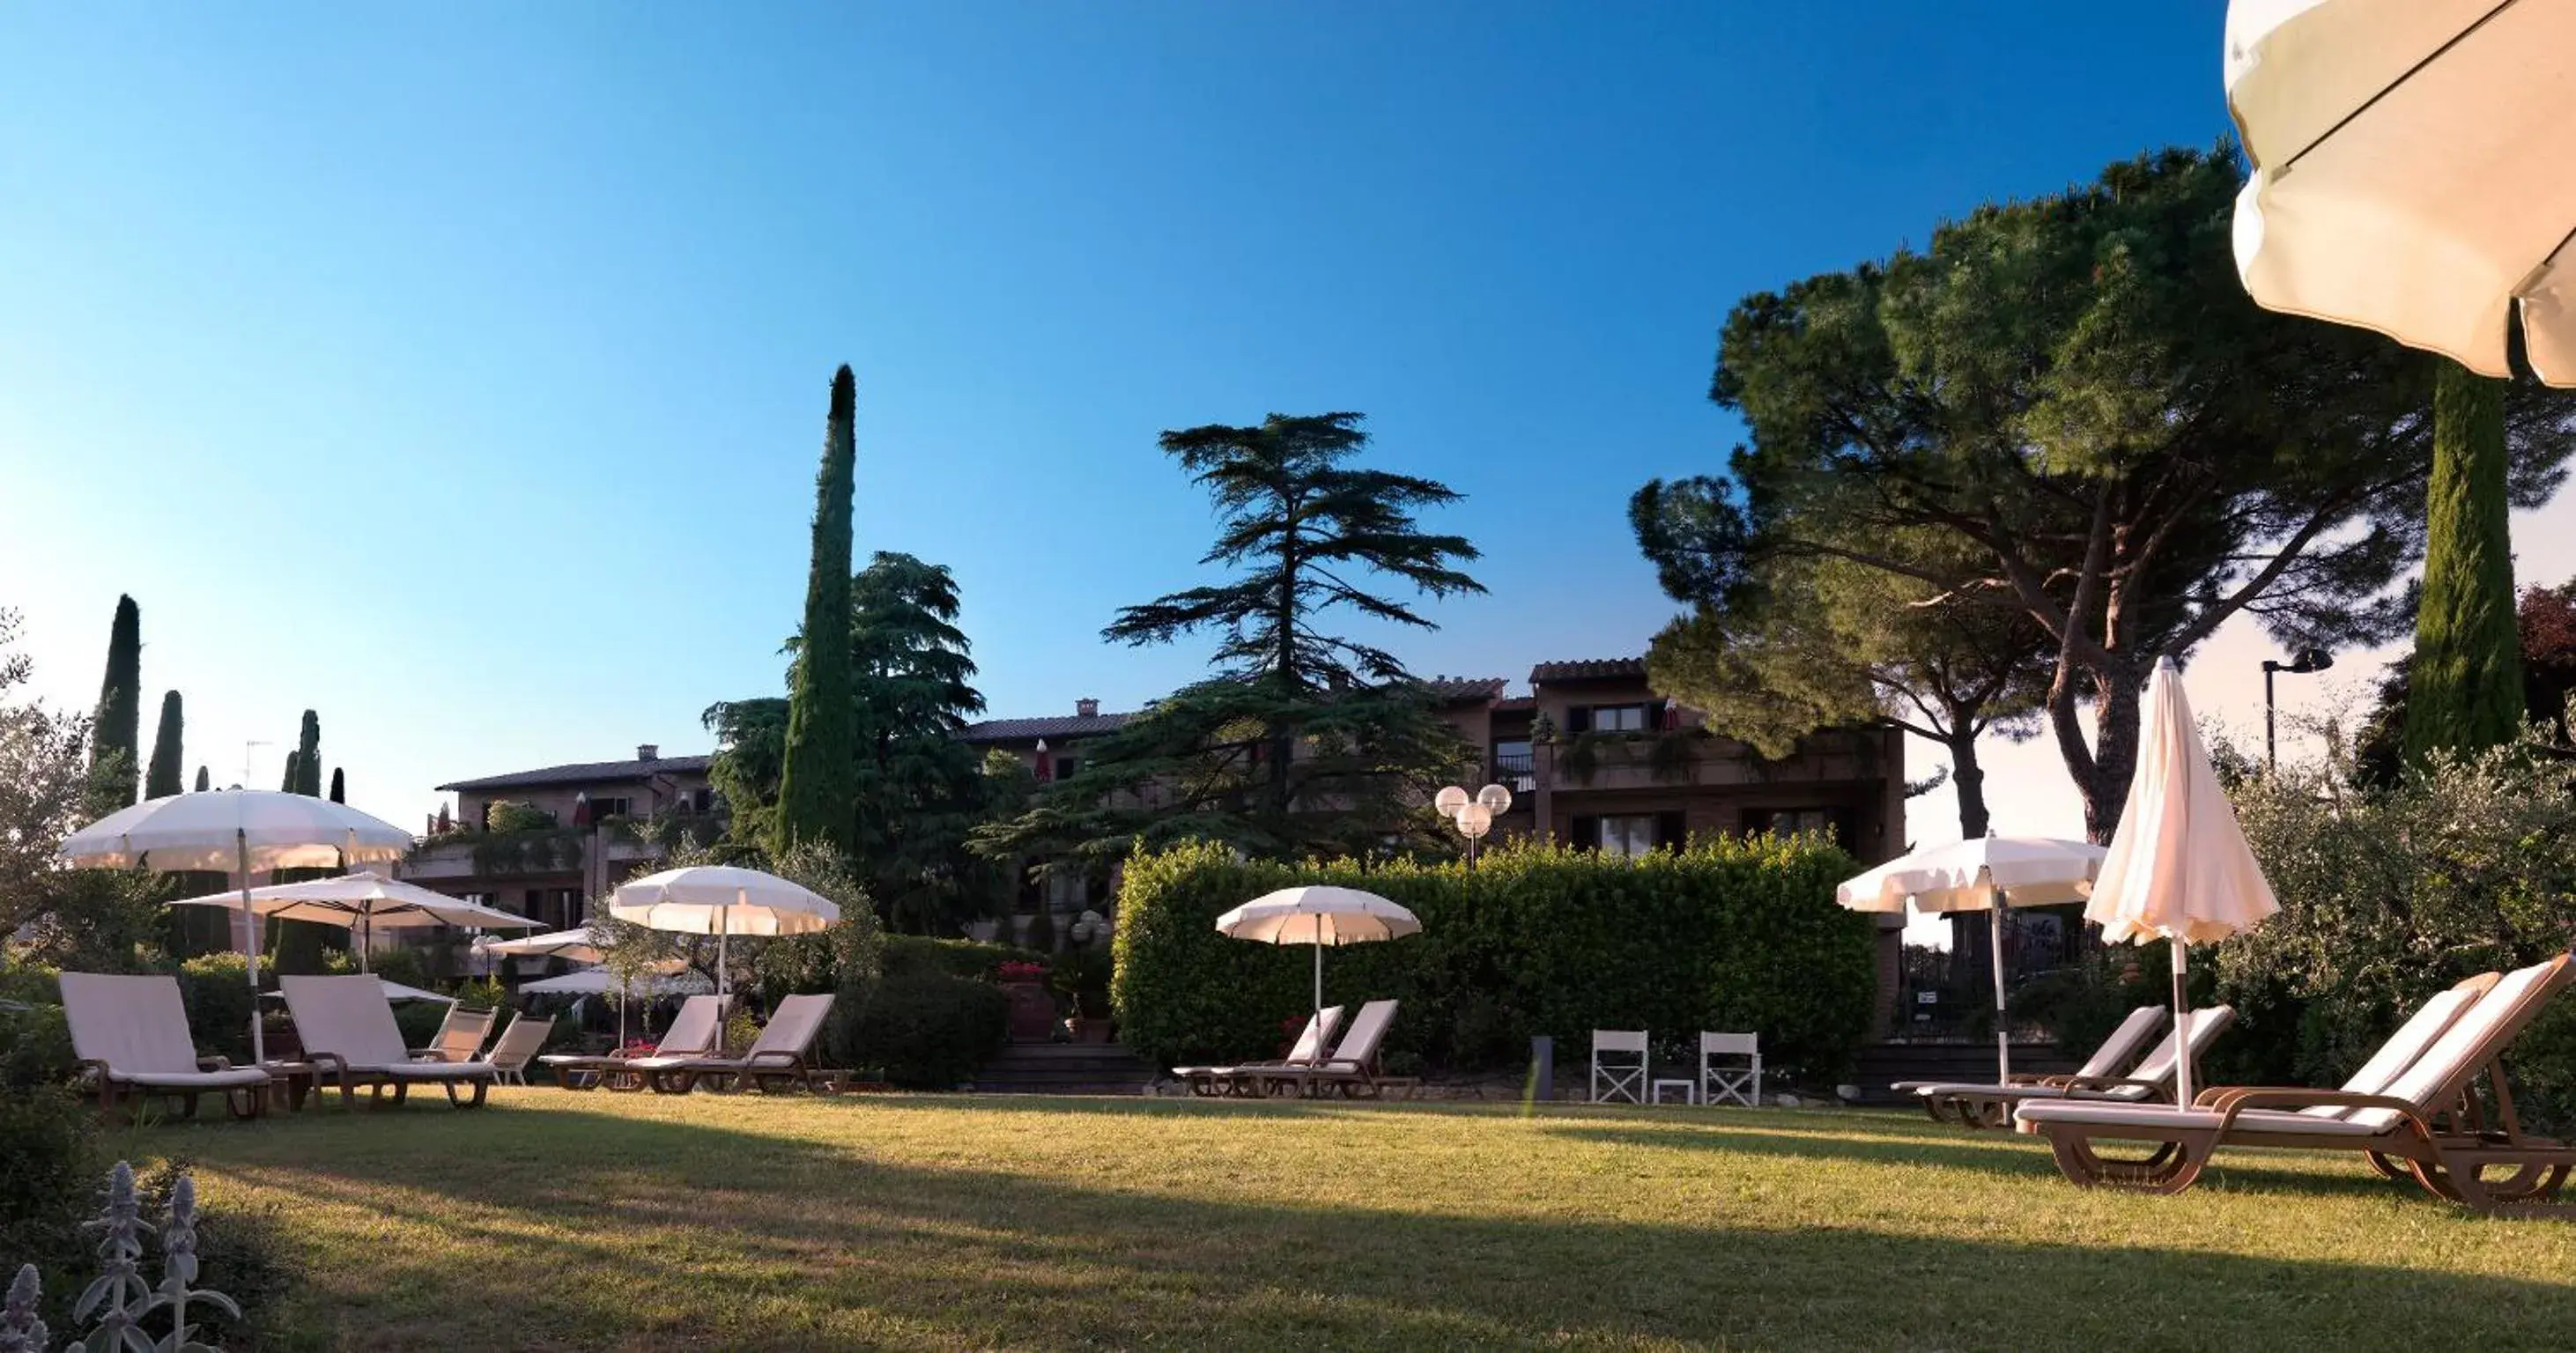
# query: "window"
{"type": "Point", "coordinates": [1065, 766]}
{"type": "Point", "coordinates": [701, 800]}
{"type": "Point", "coordinates": [1512, 757]}
{"type": "Point", "coordinates": [1790, 821]}
{"type": "Point", "coordinates": [1607, 719]}
{"type": "Point", "coordinates": [1628, 835]}
{"type": "Point", "coordinates": [617, 807]}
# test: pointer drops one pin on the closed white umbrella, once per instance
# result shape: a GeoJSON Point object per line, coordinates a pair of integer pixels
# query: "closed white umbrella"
{"type": "Point", "coordinates": [362, 901]}
{"type": "Point", "coordinates": [395, 992]}
{"type": "Point", "coordinates": [576, 946]}
{"type": "Point", "coordinates": [601, 982]}
{"type": "Point", "coordinates": [2411, 170]}
{"type": "Point", "coordinates": [1987, 874]}
{"type": "Point", "coordinates": [722, 900]}
{"type": "Point", "coordinates": [2179, 867]}
{"type": "Point", "coordinates": [1318, 915]}
{"type": "Point", "coordinates": [240, 830]}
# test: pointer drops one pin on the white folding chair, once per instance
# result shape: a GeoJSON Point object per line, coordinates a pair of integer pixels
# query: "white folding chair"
{"type": "Point", "coordinates": [1619, 1078]}
{"type": "Point", "coordinates": [1730, 1067]}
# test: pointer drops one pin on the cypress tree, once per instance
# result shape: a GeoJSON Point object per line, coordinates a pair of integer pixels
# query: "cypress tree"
{"type": "Point", "coordinates": [339, 787]}
{"type": "Point", "coordinates": [300, 943]}
{"type": "Point", "coordinates": [287, 785]}
{"type": "Point", "coordinates": [817, 782]}
{"type": "Point", "coordinates": [2465, 684]}
{"type": "Point", "coordinates": [308, 757]}
{"type": "Point", "coordinates": [163, 778]}
{"type": "Point", "coordinates": [205, 781]}
{"type": "Point", "coordinates": [117, 730]}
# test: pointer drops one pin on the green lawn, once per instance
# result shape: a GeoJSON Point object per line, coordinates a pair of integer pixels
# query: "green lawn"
{"type": "Point", "coordinates": [576, 1221]}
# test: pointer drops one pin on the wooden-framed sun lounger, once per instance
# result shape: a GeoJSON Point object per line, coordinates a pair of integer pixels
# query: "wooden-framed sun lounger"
{"type": "Point", "coordinates": [349, 1034]}
{"type": "Point", "coordinates": [131, 1035]}
{"type": "Point", "coordinates": [777, 1060]}
{"type": "Point", "coordinates": [2150, 1082]}
{"type": "Point", "coordinates": [1236, 1079]}
{"type": "Point", "coordinates": [1353, 1071]}
{"type": "Point", "coordinates": [2117, 1054]}
{"type": "Point", "coordinates": [697, 1031]}
{"type": "Point", "coordinates": [2424, 1124]}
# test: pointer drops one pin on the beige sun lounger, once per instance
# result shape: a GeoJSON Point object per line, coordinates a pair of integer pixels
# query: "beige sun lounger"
{"type": "Point", "coordinates": [131, 1035]}
{"type": "Point", "coordinates": [1353, 1069]}
{"type": "Point", "coordinates": [519, 1046]}
{"type": "Point", "coordinates": [460, 1036]}
{"type": "Point", "coordinates": [349, 1034]}
{"type": "Point", "coordinates": [697, 1031]}
{"type": "Point", "coordinates": [775, 1060]}
{"type": "Point", "coordinates": [2424, 1123]}
{"type": "Point", "coordinates": [1230, 1080]}
{"type": "Point", "coordinates": [2118, 1053]}
{"type": "Point", "coordinates": [2150, 1082]}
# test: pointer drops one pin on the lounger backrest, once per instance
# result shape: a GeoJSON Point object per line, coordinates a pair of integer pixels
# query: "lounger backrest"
{"type": "Point", "coordinates": [461, 1034]}
{"type": "Point", "coordinates": [1359, 1046]}
{"type": "Point", "coordinates": [1318, 1034]}
{"type": "Point", "coordinates": [2158, 1069]}
{"type": "Point", "coordinates": [2429, 1022]}
{"type": "Point", "coordinates": [2120, 1050]}
{"type": "Point", "coordinates": [2443, 1073]}
{"type": "Point", "coordinates": [347, 1017]}
{"type": "Point", "coordinates": [793, 1026]}
{"type": "Point", "coordinates": [697, 1029]}
{"type": "Point", "coordinates": [524, 1039]}
{"type": "Point", "coordinates": [136, 1025]}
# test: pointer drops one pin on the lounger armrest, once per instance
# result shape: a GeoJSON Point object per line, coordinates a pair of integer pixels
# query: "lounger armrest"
{"type": "Point", "coordinates": [2230, 1101]}
{"type": "Point", "coordinates": [2107, 1083]}
{"type": "Point", "coordinates": [426, 1054]}
{"type": "Point", "coordinates": [214, 1064]}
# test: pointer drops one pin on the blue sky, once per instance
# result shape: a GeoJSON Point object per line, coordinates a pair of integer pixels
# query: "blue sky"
{"type": "Point", "coordinates": [460, 374]}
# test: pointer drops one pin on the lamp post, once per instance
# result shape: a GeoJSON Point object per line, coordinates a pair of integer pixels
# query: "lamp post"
{"type": "Point", "coordinates": [1473, 817]}
{"type": "Point", "coordinates": [2301, 663]}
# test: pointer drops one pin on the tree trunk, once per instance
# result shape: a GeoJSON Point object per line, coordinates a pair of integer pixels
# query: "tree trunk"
{"type": "Point", "coordinates": [2115, 754]}
{"type": "Point", "coordinates": [2464, 688]}
{"type": "Point", "coordinates": [1969, 779]}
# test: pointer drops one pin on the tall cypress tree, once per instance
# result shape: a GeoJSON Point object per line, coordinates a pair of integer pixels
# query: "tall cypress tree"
{"type": "Point", "coordinates": [308, 757]}
{"type": "Point", "coordinates": [205, 780]}
{"type": "Point", "coordinates": [817, 782]}
{"type": "Point", "coordinates": [286, 785]}
{"type": "Point", "coordinates": [117, 731]}
{"type": "Point", "coordinates": [339, 787]}
{"type": "Point", "coordinates": [2464, 687]}
{"type": "Point", "coordinates": [300, 943]}
{"type": "Point", "coordinates": [163, 778]}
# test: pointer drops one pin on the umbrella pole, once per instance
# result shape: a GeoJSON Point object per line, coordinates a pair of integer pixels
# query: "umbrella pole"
{"type": "Point", "coordinates": [722, 924]}
{"type": "Point", "coordinates": [2003, 1031]}
{"type": "Point", "coordinates": [2182, 1023]}
{"type": "Point", "coordinates": [250, 944]}
{"type": "Point", "coordinates": [1319, 995]}
{"type": "Point", "coordinates": [366, 941]}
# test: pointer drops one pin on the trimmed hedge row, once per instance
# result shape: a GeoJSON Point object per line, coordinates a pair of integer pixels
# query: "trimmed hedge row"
{"type": "Point", "coordinates": [1728, 934]}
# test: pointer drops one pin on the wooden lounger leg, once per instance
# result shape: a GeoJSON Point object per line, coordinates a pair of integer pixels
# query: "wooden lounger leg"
{"type": "Point", "coordinates": [2170, 1168]}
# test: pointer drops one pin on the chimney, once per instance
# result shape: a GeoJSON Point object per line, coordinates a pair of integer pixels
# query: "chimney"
{"type": "Point", "coordinates": [1087, 708]}
{"type": "Point", "coordinates": [648, 751]}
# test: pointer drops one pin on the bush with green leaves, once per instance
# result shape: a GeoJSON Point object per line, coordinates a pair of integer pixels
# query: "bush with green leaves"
{"type": "Point", "coordinates": [1728, 934]}
{"type": "Point", "coordinates": [2463, 865]}
{"type": "Point", "coordinates": [216, 989]}
{"type": "Point", "coordinates": [510, 815]}
{"type": "Point", "coordinates": [924, 1031]}
{"type": "Point", "coordinates": [906, 955]}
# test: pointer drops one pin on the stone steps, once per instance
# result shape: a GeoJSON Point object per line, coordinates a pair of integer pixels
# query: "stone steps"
{"type": "Point", "coordinates": [1064, 1069]}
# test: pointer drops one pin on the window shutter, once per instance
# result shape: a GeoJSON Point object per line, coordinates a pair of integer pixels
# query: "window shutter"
{"type": "Point", "coordinates": [1587, 833]}
{"type": "Point", "coordinates": [1578, 719]}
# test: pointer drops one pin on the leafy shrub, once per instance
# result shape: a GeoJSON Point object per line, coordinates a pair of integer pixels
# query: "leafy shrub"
{"type": "Point", "coordinates": [2389, 895]}
{"type": "Point", "coordinates": [510, 815]}
{"type": "Point", "coordinates": [1538, 939]}
{"type": "Point", "coordinates": [35, 1048]}
{"type": "Point", "coordinates": [216, 990]}
{"type": "Point", "coordinates": [921, 1030]}
{"type": "Point", "coordinates": [49, 1170]}
{"type": "Point", "coordinates": [419, 1021]}
{"type": "Point", "coordinates": [912, 955]}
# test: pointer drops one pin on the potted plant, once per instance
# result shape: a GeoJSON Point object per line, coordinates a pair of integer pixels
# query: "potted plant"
{"type": "Point", "coordinates": [1082, 978]}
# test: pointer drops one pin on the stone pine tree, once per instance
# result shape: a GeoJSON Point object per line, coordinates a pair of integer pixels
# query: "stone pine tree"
{"type": "Point", "coordinates": [1303, 740]}
{"type": "Point", "coordinates": [162, 780]}
{"type": "Point", "coordinates": [2464, 685]}
{"type": "Point", "coordinates": [817, 774]}
{"type": "Point", "coordinates": [116, 754]}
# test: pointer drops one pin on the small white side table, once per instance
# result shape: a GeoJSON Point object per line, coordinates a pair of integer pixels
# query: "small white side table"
{"type": "Point", "coordinates": [1689, 1089]}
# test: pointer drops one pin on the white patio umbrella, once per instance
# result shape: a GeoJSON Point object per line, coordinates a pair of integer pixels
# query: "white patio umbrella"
{"type": "Point", "coordinates": [576, 946]}
{"type": "Point", "coordinates": [362, 901]}
{"type": "Point", "coordinates": [238, 830]}
{"type": "Point", "coordinates": [601, 982]}
{"type": "Point", "coordinates": [395, 992]}
{"type": "Point", "coordinates": [721, 900]}
{"type": "Point", "coordinates": [2179, 867]}
{"type": "Point", "coordinates": [1318, 915]}
{"type": "Point", "coordinates": [2411, 170]}
{"type": "Point", "coordinates": [1987, 874]}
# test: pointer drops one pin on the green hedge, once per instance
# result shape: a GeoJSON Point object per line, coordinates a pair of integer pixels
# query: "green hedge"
{"type": "Point", "coordinates": [1726, 935]}
{"type": "Point", "coordinates": [925, 1031]}
{"type": "Point", "coordinates": [913, 955]}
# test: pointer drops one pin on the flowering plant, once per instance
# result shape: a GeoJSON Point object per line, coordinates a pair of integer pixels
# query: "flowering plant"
{"type": "Point", "coordinates": [1022, 971]}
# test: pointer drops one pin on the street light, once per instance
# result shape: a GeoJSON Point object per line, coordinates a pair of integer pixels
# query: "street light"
{"type": "Point", "coordinates": [1474, 817]}
{"type": "Point", "coordinates": [2301, 663]}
